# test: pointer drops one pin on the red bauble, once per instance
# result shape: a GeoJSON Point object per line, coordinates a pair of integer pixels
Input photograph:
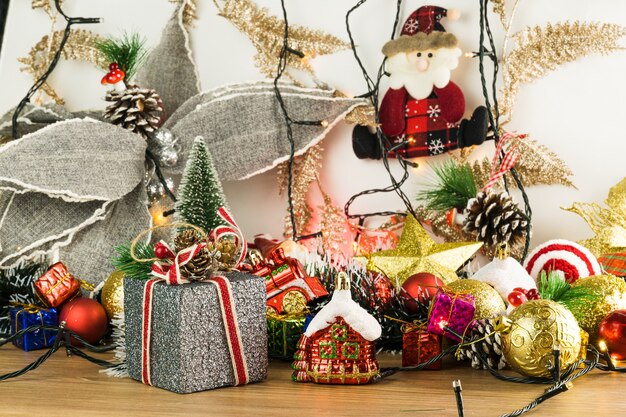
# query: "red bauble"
{"type": "Point", "coordinates": [517, 298]}
{"type": "Point", "coordinates": [85, 317]}
{"type": "Point", "coordinates": [419, 288]}
{"type": "Point", "coordinates": [613, 332]}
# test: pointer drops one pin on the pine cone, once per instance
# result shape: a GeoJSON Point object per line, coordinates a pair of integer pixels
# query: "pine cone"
{"type": "Point", "coordinates": [136, 109]}
{"type": "Point", "coordinates": [491, 346]}
{"type": "Point", "coordinates": [495, 219]}
{"type": "Point", "coordinates": [219, 256]}
{"type": "Point", "coordinates": [186, 238]}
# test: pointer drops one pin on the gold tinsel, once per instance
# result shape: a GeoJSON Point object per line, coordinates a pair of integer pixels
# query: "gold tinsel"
{"type": "Point", "coordinates": [531, 333]}
{"type": "Point", "coordinates": [80, 46]}
{"type": "Point", "coordinates": [189, 11]}
{"type": "Point", "coordinates": [609, 224]}
{"type": "Point", "coordinates": [537, 165]}
{"type": "Point", "coordinates": [267, 32]}
{"type": "Point", "coordinates": [540, 50]}
{"type": "Point", "coordinates": [612, 292]}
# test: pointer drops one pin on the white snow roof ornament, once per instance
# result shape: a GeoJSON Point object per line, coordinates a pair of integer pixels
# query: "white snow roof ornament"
{"type": "Point", "coordinates": [343, 306]}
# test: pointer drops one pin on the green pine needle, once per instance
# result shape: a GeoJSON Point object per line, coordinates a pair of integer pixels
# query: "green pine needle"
{"type": "Point", "coordinates": [129, 52]}
{"type": "Point", "coordinates": [455, 186]}
{"type": "Point", "coordinates": [124, 262]}
{"type": "Point", "coordinates": [552, 286]}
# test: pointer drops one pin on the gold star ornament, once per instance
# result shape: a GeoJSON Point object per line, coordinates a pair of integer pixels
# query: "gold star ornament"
{"type": "Point", "coordinates": [417, 252]}
{"type": "Point", "coordinates": [608, 223]}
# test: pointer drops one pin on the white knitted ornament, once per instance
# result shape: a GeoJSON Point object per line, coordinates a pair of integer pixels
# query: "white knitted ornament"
{"type": "Point", "coordinates": [569, 259]}
{"type": "Point", "coordinates": [504, 275]}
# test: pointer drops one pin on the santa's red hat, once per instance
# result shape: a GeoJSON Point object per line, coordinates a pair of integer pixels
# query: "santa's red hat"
{"type": "Point", "coordinates": [423, 30]}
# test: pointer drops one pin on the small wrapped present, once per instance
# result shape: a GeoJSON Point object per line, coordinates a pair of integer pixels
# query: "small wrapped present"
{"type": "Point", "coordinates": [196, 336]}
{"type": "Point", "coordinates": [283, 333]}
{"type": "Point", "coordinates": [453, 311]}
{"type": "Point", "coordinates": [24, 316]}
{"type": "Point", "coordinates": [419, 346]}
{"type": "Point", "coordinates": [57, 286]}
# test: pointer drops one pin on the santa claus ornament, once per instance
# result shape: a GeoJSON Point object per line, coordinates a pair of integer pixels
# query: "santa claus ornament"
{"type": "Point", "coordinates": [338, 345]}
{"type": "Point", "coordinates": [421, 113]}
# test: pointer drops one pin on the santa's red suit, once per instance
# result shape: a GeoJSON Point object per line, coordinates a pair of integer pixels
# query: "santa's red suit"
{"type": "Point", "coordinates": [429, 126]}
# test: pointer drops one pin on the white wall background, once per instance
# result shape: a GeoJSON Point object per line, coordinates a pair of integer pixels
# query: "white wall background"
{"type": "Point", "coordinates": [578, 111]}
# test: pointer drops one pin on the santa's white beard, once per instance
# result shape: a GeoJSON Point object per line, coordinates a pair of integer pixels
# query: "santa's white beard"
{"type": "Point", "coordinates": [420, 84]}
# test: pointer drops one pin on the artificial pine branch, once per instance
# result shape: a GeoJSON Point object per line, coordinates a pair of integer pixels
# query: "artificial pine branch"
{"type": "Point", "coordinates": [455, 186]}
{"type": "Point", "coordinates": [129, 52]}
{"type": "Point", "coordinates": [552, 286]}
{"type": "Point", "coordinates": [131, 268]}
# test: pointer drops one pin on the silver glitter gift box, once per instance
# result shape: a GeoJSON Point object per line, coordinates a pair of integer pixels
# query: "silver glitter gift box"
{"type": "Point", "coordinates": [189, 351]}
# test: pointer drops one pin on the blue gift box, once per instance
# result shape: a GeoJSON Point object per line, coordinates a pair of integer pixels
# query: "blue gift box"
{"type": "Point", "coordinates": [22, 318]}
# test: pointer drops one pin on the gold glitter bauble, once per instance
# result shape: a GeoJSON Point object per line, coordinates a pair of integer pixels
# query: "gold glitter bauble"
{"type": "Point", "coordinates": [112, 295]}
{"type": "Point", "coordinates": [612, 293]}
{"type": "Point", "coordinates": [534, 329]}
{"type": "Point", "coordinates": [488, 302]}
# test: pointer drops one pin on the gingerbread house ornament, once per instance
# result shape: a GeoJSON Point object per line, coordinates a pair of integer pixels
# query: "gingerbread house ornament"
{"type": "Point", "coordinates": [338, 345]}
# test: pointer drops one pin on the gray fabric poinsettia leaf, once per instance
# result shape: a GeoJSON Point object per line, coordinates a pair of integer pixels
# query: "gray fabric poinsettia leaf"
{"type": "Point", "coordinates": [34, 117]}
{"type": "Point", "coordinates": [170, 68]}
{"type": "Point", "coordinates": [245, 129]}
{"type": "Point", "coordinates": [72, 177]}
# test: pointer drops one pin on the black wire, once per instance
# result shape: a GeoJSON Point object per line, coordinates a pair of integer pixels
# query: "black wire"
{"type": "Point", "coordinates": [282, 65]}
{"type": "Point", "coordinates": [494, 111]}
{"type": "Point", "coordinates": [62, 339]}
{"type": "Point", "coordinates": [161, 177]}
{"type": "Point", "coordinates": [383, 143]}
{"type": "Point", "coordinates": [55, 60]}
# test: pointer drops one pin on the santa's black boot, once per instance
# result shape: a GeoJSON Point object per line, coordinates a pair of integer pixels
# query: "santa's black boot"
{"type": "Point", "coordinates": [365, 143]}
{"type": "Point", "coordinates": [474, 130]}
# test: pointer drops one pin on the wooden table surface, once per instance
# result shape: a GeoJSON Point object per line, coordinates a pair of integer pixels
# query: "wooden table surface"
{"type": "Point", "coordinates": [73, 387]}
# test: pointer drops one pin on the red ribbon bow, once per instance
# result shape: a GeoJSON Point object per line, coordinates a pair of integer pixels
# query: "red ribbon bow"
{"type": "Point", "coordinates": [508, 161]}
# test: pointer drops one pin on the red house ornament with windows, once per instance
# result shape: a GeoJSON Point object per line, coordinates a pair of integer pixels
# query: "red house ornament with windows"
{"type": "Point", "coordinates": [338, 345]}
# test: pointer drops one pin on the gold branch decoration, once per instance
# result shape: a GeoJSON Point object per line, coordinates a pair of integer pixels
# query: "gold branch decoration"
{"type": "Point", "coordinates": [499, 8]}
{"type": "Point", "coordinates": [190, 13]}
{"type": "Point", "coordinates": [608, 223]}
{"type": "Point", "coordinates": [539, 50]}
{"type": "Point", "coordinates": [364, 115]}
{"type": "Point", "coordinates": [46, 5]}
{"type": "Point", "coordinates": [266, 33]}
{"type": "Point", "coordinates": [80, 46]}
{"type": "Point", "coordinates": [332, 224]}
{"type": "Point", "coordinates": [537, 165]}
{"type": "Point", "coordinates": [305, 169]}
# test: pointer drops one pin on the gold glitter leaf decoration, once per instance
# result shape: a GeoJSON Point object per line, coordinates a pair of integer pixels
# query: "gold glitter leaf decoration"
{"type": "Point", "coordinates": [47, 6]}
{"type": "Point", "coordinates": [537, 165]}
{"type": "Point", "coordinates": [499, 8]}
{"type": "Point", "coordinates": [266, 33]}
{"type": "Point", "coordinates": [190, 13]}
{"type": "Point", "coordinates": [608, 224]}
{"type": "Point", "coordinates": [362, 115]}
{"type": "Point", "coordinates": [80, 46]}
{"type": "Point", "coordinates": [540, 50]}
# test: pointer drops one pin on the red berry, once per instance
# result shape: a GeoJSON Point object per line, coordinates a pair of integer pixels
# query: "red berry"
{"type": "Point", "coordinates": [533, 294]}
{"type": "Point", "coordinates": [517, 298]}
{"type": "Point", "coordinates": [113, 66]}
{"type": "Point", "coordinates": [161, 251]}
{"type": "Point", "coordinates": [520, 289]}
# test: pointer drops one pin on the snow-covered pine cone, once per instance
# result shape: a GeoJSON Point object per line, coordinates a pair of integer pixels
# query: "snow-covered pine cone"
{"type": "Point", "coordinates": [491, 346]}
{"type": "Point", "coordinates": [136, 109]}
{"type": "Point", "coordinates": [495, 219]}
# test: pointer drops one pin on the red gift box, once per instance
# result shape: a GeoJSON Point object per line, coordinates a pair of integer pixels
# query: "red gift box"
{"type": "Point", "coordinates": [57, 286]}
{"type": "Point", "coordinates": [419, 346]}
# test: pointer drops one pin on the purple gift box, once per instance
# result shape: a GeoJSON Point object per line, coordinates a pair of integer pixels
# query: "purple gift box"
{"type": "Point", "coordinates": [451, 311]}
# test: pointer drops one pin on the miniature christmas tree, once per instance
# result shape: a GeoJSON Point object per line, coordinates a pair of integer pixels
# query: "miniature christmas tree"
{"type": "Point", "coordinates": [201, 193]}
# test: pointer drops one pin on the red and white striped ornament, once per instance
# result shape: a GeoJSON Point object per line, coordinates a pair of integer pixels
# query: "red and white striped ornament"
{"type": "Point", "coordinates": [571, 260]}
